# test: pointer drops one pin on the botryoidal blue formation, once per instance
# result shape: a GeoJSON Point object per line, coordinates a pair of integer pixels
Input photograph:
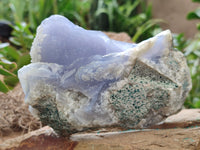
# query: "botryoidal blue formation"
{"type": "Point", "coordinates": [81, 80]}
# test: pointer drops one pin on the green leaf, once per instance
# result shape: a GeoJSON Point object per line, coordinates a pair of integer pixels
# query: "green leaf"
{"type": "Point", "coordinates": [18, 9]}
{"type": "Point", "coordinates": [11, 81]}
{"type": "Point", "coordinates": [12, 52]}
{"type": "Point", "coordinates": [8, 65]}
{"type": "Point", "coordinates": [196, 102]}
{"type": "Point", "coordinates": [14, 41]}
{"type": "Point", "coordinates": [196, 1]}
{"type": "Point", "coordinates": [145, 27]}
{"type": "Point", "coordinates": [3, 87]}
{"type": "Point", "coordinates": [198, 26]}
{"type": "Point", "coordinates": [24, 60]}
{"type": "Point", "coordinates": [149, 11]}
{"type": "Point", "coordinates": [100, 11]}
{"type": "Point", "coordinates": [194, 15]}
{"type": "Point", "coordinates": [197, 53]}
{"type": "Point", "coordinates": [3, 45]}
{"type": "Point", "coordinates": [179, 41]}
{"type": "Point", "coordinates": [6, 72]}
{"type": "Point", "coordinates": [195, 67]}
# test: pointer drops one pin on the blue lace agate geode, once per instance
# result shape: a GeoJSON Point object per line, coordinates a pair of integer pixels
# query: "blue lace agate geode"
{"type": "Point", "coordinates": [80, 79]}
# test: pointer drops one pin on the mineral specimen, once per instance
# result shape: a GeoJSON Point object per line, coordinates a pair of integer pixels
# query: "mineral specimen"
{"type": "Point", "coordinates": [80, 79]}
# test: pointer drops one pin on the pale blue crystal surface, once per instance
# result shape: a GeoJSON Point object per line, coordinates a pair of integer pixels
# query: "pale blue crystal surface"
{"type": "Point", "coordinates": [66, 43]}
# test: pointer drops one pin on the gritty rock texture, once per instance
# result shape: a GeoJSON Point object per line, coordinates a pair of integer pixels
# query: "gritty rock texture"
{"type": "Point", "coordinates": [81, 80]}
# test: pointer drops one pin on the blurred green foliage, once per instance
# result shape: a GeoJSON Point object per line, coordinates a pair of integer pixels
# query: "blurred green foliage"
{"type": "Point", "coordinates": [131, 16]}
{"type": "Point", "coordinates": [14, 55]}
{"type": "Point", "coordinates": [34, 11]}
{"type": "Point", "coordinates": [191, 50]}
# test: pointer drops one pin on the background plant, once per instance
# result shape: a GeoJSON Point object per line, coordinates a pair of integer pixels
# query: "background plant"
{"type": "Point", "coordinates": [12, 58]}
{"type": "Point", "coordinates": [191, 50]}
{"type": "Point", "coordinates": [131, 16]}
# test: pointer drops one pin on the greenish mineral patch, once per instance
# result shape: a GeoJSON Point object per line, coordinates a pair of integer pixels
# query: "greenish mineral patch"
{"type": "Point", "coordinates": [147, 92]}
{"type": "Point", "coordinates": [49, 115]}
{"type": "Point", "coordinates": [130, 104]}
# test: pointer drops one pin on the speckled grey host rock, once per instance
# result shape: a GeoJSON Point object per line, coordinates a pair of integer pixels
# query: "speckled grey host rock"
{"type": "Point", "coordinates": [81, 80]}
